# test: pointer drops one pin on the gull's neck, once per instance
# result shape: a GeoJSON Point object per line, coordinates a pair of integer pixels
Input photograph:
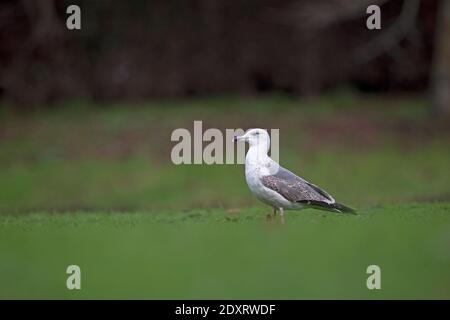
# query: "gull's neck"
{"type": "Point", "coordinates": [257, 154]}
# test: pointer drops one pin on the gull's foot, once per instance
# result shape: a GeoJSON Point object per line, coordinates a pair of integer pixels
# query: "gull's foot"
{"type": "Point", "coordinates": [282, 215]}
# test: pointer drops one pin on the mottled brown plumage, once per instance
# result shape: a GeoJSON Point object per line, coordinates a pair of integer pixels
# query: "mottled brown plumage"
{"type": "Point", "coordinates": [294, 190]}
{"type": "Point", "coordinates": [297, 190]}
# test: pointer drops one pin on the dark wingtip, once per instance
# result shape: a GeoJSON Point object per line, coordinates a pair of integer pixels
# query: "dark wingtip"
{"type": "Point", "coordinates": [334, 207]}
{"type": "Point", "coordinates": [344, 209]}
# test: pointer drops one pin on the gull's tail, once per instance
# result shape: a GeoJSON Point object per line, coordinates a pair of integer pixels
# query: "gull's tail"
{"type": "Point", "coordinates": [343, 209]}
{"type": "Point", "coordinates": [334, 207]}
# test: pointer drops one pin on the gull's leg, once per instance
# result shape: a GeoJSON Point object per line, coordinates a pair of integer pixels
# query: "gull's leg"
{"type": "Point", "coordinates": [271, 217]}
{"type": "Point", "coordinates": [274, 214]}
{"type": "Point", "coordinates": [282, 215]}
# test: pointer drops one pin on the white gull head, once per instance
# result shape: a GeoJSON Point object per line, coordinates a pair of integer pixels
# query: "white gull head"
{"type": "Point", "coordinates": [257, 155]}
{"type": "Point", "coordinates": [256, 137]}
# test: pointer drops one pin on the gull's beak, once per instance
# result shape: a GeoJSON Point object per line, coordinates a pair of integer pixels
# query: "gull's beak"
{"type": "Point", "coordinates": [239, 138]}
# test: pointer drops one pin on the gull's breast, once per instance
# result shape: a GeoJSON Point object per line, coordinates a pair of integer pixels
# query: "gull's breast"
{"type": "Point", "coordinates": [253, 176]}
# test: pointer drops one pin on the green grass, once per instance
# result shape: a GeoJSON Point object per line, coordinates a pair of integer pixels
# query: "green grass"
{"type": "Point", "coordinates": [95, 187]}
{"type": "Point", "coordinates": [215, 254]}
{"type": "Point", "coordinates": [360, 179]}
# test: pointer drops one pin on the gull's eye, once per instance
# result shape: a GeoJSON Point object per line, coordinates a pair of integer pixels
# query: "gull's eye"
{"type": "Point", "coordinates": [257, 133]}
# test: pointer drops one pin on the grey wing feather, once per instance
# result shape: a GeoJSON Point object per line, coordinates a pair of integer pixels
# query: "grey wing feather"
{"type": "Point", "coordinates": [294, 190]}
{"type": "Point", "coordinates": [305, 190]}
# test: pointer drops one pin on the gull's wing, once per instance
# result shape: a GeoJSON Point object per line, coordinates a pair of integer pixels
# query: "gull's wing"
{"type": "Point", "coordinates": [298, 187]}
{"type": "Point", "coordinates": [296, 190]}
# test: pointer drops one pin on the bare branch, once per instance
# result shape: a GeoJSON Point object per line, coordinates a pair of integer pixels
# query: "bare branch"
{"type": "Point", "coordinates": [391, 37]}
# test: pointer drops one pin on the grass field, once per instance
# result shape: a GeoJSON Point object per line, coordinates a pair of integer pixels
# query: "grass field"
{"type": "Point", "coordinates": [96, 188]}
{"type": "Point", "coordinates": [216, 254]}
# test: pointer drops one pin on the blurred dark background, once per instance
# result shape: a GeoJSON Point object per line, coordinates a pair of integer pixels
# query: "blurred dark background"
{"type": "Point", "coordinates": [86, 118]}
{"type": "Point", "coordinates": [86, 115]}
{"type": "Point", "coordinates": [139, 50]}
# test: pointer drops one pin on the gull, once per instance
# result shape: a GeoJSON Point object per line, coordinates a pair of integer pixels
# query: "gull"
{"type": "Point", "coordinates": [278, 187]}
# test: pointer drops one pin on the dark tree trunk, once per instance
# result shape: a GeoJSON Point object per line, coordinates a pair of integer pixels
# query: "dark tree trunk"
{"type": "Point", "coordinates": [441, 68]}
